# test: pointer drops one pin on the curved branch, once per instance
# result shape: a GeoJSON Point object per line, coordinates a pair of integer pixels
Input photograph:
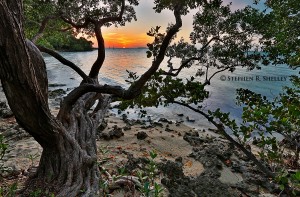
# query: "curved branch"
{"type": "Point", "coordinates": [101, 52]}
{"type": "Point", "coordinates": [64, 61]}
{"type": "Point", "coordinates": [75, 25]}
{"type": "Point", "coordinates": [42, 28]}
{"type": "Point", "coordinates": [190, 59]}
{"type": "Point", "coordinates": [136, 87]}
{"type": "Point", "coordinates": [101, 44]}
{"type": "Point", "coordinates": [220, 127]}
{"type": "Point", "coordinates": [74, 95]}
{"type": "Point", "coordinates": [180, 68]}
{"type": "Point", "coordinates": [114, 18]}
{"type": "Point", "coordinates": [207, 81]}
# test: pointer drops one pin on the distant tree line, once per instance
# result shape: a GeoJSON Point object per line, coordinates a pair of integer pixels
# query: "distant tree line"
{"type": "Point", "coordinates": [72, 44]}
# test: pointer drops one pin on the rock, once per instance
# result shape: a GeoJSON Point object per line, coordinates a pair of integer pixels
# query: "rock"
{"type": "Point", "coordinates": [56, 93]}
{"type": "Point", "coordinates": [141, 135]}
{"type": "Point", "coordinates": [124, 117]}
{"type": "Point", "coordinates": [5, 112]}
{"type": "Point", "coordinates": [127, 127]}
{"type": "Point", "coordinates": [56, 85]}
{"type": "Point", "coordinates": [116, 132]}
{"type": "Point", "coordinates": [165, 120]}
{"type": "Point", "coordinates": [146, 126]}
{"type": "Point", "coordinates": [193, 138]}
{"type": "Point", "coordinates": [102, 126]}
{"type": "Point", "coordinates": [169, 130]}
{"type": "Point", "coordinates": [158, 124]}
{"type": "Point", "coordinates": [180, 115]}
{"type": "Point", "coordinates": [178, 159]}
{"type": "Point", "coordinates": [189, 119]}
{"type": "Point", "coordinates": [105, 136]}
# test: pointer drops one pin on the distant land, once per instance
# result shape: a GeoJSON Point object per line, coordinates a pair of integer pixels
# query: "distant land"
{"type": "Point", "coordinates": [95, 48]}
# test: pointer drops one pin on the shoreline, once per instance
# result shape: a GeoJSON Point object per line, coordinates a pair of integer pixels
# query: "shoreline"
{"type": "Point", "coordinates": [200, 161]}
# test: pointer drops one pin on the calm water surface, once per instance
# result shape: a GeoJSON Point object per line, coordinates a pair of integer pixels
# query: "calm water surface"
{"type": "Point", "coordinates": [267, 81]}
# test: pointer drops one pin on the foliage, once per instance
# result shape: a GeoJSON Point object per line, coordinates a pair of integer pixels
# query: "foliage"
{"type": "Point", "coordinates": [56, 35]}
{"type": "Point", "coordinates": [273, 126]}
{"type": "Point", "coordinates": [8, 191]}
{"type": "Point", "coordinates": [280, 35]}
{"type": "Point", "coordinates": [147, 177]}
{"type": "Point", "coordinates": [229, 40]}
{"type": "Point", "coordinates": [222, 40]}
{"type": "Point", "coordinates": [3, 148]}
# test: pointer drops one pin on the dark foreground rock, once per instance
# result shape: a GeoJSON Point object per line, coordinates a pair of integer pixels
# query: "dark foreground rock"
{"type": "Point", "coordinates": [141, 135]}
{"type": "Point", "coordinates": [5, 112]}
{"type": "Point", "coordinates": [56, 93]}
{"type": "Point", "coordinates": [115, 133]}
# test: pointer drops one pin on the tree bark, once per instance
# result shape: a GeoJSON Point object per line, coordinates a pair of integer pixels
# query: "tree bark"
{"type": "Point", "coordinates": [68, 165]}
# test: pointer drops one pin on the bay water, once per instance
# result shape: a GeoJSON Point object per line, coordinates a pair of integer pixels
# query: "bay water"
{"type": "Point", "coordinates": [268, 81]}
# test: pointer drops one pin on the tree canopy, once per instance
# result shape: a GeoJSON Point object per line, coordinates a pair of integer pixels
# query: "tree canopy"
{"type": "Point", "coordinates": [221, 40]}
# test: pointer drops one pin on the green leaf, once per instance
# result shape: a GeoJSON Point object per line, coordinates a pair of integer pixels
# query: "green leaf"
{"type": "Point", "coordinates": [149, 54]}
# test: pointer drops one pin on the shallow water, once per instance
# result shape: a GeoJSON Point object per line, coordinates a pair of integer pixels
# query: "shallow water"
{"type": "Point", "coordinates": [268, 81]}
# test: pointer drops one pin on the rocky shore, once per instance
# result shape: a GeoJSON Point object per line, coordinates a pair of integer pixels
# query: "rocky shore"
{"type": "Point", "coordinates": [191, 162]}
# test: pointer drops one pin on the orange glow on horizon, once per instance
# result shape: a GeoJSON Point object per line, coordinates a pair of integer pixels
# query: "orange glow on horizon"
{"type": "Point", "coordinates": [124, 40]}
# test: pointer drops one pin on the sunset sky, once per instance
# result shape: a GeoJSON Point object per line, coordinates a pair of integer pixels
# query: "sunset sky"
{"type": "Point", "coordinates": [134, 34]}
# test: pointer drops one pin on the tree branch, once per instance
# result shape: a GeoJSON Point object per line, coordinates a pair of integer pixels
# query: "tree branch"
{"type": "Point", "coordinates": [64, 61]}
{"type": "Point", "coordinates": [42, 28]}
{"type": "Point", "coordinates": [183, 65]}
{"type": "Point", "coordinates": [101, 52]}
{"type": "Point", "coordinates": [136, 87]}
{"type": "Point", "coordinates": [207, 81]}
{"type": "Point", "coordinates": [87, 21]}
{"type": "Point", "coordinates": [220, 127]}
{"type": "Point", "coordinates": [101, 44]}
{"type": "Point", "coordinates": [170, 73]}
{"type": "Point", "coordinates": [114, 18]}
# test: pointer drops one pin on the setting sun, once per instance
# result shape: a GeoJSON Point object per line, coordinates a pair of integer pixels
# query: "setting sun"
{"type": "Point", "coordinates": [123, 39]}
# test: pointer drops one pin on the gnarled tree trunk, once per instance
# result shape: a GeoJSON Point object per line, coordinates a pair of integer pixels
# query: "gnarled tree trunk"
{"type": "Point", "coordinates": [68, 164]}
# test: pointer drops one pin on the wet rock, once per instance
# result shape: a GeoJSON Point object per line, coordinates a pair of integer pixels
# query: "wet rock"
{"type": "Point", "coordinates": [165, 120]}
{"type": "Point", "coordinates": [141, 135]}
{"type": "Point", "coordinates": [189, 119]}
{"type": "Point", "coordinates": [158, 124]}
{"type": "Point", "coordinates": [56, 85]}
{"type": "Point", "coordinates": [124, 117]}
{"type": "Point", "coordinates": [56, 93]}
